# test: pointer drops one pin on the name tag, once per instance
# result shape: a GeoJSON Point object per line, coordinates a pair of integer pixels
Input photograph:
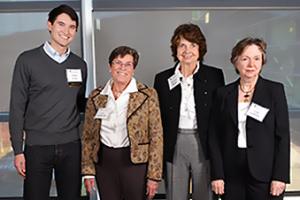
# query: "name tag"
{"type": "Point", "coordinates": [74, 75]}
{"type": "Point", "coordinates": [173, 81]}
{"type": "Point", "coordinates": [102, 113]}
{"type": "Point", "coordinates": [257, 112]}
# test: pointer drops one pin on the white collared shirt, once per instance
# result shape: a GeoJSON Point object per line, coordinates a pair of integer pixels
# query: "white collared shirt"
{"type": "Point", "coordinates": [52, 53]}
{"type": "Point", "coordinates": [187, 118]}
{"type": "Point", "coordinates": [242, 116]}
{"type": "Point", "coordinates": [114, 128]}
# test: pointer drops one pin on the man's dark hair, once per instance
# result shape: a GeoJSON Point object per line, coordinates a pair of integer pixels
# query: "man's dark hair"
{"type": "Point", "coordinates": [60, 10]}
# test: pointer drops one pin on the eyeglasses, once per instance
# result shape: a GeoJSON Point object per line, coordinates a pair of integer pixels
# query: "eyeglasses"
{"type": "Point", "coordinates": [118, 63]}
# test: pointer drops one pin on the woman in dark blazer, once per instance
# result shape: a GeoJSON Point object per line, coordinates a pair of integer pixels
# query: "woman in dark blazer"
{"type": "Point", "coordinates": [249, 137]}
{"type": "Point", "coordinates": [185, 95]}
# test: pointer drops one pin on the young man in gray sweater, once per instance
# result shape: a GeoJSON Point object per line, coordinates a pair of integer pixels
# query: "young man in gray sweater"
{"type": "Point", "coordinates": [48, 84]}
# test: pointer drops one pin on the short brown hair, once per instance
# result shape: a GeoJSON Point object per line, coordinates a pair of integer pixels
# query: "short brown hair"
{"type": "Point", "coordinates": [123, 51]}
{"type": "Point", "coordinates": [191, 33]}
{"type": "Point", "coordinates": [242, 44]}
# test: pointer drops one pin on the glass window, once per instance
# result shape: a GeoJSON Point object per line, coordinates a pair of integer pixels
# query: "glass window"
{"type": "Point", "coordinates": [11, 182]}
{"type": "Point", "coordinates": [20, 32]}
{"type": "Point", "coordinates": [11, 1]}
{"type": "Point", "coordinates": [150, 32]}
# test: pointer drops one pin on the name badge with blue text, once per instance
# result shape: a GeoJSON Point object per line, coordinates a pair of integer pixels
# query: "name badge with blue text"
{"type": "Point", "coordinates": [257, 112]}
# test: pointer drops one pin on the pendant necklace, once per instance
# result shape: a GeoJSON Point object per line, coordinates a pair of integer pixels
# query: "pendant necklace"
{"type": "Point", "coordinates": [246, 93]}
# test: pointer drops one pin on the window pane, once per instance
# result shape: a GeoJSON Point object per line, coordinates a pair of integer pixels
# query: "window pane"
{"type": "Point", "coordinates": [20, 32]}
{"type": "Point", "coordinates": [32, 0]}
{"type": "Point", "coordinates": [11, 182]}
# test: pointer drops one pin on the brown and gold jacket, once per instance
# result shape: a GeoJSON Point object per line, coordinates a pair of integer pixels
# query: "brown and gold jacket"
{"type": "Point", "coordinates": [143, 126]}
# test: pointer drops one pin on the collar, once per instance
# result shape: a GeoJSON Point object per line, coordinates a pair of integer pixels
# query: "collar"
{"type": "Point", "coordinates": [131, 88]}
{"type": "Point", "coordinates": [54, 54]}
{"type": "Point", "coordinates": [177, 71]}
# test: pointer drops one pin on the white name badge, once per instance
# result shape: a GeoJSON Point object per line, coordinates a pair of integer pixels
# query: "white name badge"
{"type": "Point", "coordinates": [257, 112]}
{"type": "Point", "coordinates": [102, 113]}
{"type": "Point", "coordinates": [173, 81]}
{"type": "Point", "coordinates": [74, 75]}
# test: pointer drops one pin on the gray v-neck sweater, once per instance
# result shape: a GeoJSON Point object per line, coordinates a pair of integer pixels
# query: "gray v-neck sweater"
{"type": "Point", "coordinates": [42, 104]}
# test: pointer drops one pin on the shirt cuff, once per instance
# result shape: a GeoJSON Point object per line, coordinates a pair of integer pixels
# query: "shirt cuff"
{"type": "Point", "coordinates": [87, 176]}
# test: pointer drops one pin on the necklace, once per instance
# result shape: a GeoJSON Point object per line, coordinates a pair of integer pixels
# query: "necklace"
{"type": "Point", "coordinates": [117, 94]}
{"type": "Point", "coordinates": [247, 93]}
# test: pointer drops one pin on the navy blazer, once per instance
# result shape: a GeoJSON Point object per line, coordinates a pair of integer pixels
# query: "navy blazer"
{"type": "Point", "coordinates": [268, 142]}
{"type": "Point", "coordinates": [206, 80]}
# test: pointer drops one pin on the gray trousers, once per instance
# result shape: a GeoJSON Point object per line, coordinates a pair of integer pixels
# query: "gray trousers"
{"type": "Point", "coordinates": [188, 164]}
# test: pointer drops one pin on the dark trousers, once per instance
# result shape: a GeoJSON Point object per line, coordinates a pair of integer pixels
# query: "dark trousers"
{"type": "Point", "coordinates": [40, 162]}
{"type": "Point", "coordinates": [241, 185]}
{"type": "Point", "coordinates": [117, 177]}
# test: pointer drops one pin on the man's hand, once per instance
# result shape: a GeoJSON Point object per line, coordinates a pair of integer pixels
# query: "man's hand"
{"type": "Point", "coordinates": [20, 164]}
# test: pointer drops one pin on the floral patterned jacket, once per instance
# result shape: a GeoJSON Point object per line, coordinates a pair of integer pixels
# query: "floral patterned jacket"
{"type": "Point", "coordinates": [144, 131]}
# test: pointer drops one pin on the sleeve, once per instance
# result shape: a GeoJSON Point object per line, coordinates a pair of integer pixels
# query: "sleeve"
{"type": "Point", "coordinates": [214, 137]}
{"type": "Point", "coordinates": [81, 100]}
{"type": "Point", "coordinates": [281, 168]}
{"type": "Point", "coordinates": [88, 139]}
{"type": "Point", "coordinates": [156, 83]}
{"type": "Point", "coordinates": [18, 103]}
{"type": "Point", "coordinates": [221, 81]}
{"type": "Point", "coordinates": [154, 171]}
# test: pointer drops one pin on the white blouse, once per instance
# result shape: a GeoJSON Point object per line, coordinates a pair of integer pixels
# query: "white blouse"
{"type": "Point", "coordinates": [187, 117]}
{"type": "Point", "coordinates": [114, 128]}
{"type": "Point", "coordinates": [242, 116]}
